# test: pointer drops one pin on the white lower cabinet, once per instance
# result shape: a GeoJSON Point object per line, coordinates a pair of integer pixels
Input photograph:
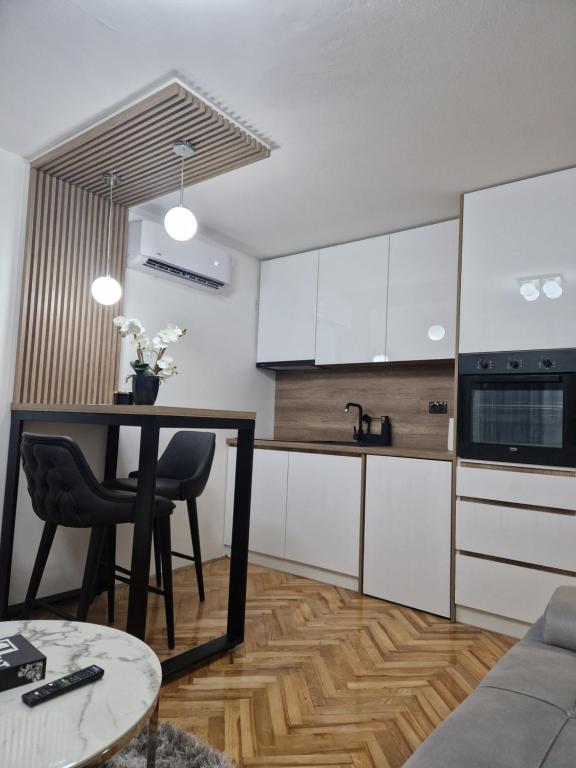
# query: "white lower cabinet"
{"type": "Point", "coordinates": [268, 508]}
{"type": "Point", "coordinates": [496, 483]}
{"type": "Point", "coordinates": [407, 532]}
{"type": "Point", "coordinates": [515, 539]}
{"type": "Point", "coordinates": [305, 508]}
{"type": "Point", "coordinates": [505, 589]}
{"type": "Point", "coordinates": [531, 536]}
{"type": "Point", "coordinates": [323, 511]}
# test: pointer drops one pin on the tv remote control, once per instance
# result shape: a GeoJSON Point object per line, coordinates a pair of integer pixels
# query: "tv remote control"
{"type": "Point", "coordinates": [62, 685]}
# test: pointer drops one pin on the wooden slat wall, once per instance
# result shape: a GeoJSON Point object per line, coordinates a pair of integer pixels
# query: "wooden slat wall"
{"type": "Point", "coordinates": [310, 404]}
{"type": "Point", "coordinates": [68, 347]}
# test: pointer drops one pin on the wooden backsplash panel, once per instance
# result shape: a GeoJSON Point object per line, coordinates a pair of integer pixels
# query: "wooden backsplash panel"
{"type": "Point", "coordinates": [310, 404]}
{"type": "Point", "coordinates": [67, 345]}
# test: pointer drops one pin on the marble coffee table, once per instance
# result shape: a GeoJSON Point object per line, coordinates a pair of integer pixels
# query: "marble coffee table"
{"type": "Point", "coordinates": [87, 726]}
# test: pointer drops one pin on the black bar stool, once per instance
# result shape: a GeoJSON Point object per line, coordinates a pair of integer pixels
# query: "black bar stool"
{"type": "Point", "coordinates": [181, 475]}
{"type": "Point", "coordinates": [65, 492]}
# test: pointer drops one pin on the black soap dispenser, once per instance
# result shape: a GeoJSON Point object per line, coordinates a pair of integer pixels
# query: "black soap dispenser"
{"type": "Point", "coordinates": [386, 431]}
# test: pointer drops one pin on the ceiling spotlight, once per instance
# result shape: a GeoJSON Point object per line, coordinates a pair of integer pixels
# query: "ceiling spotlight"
{"type": "Point", "coordinates": [530, 290]}
{"type": "Point", "coordinates": [105, 289]}
{"type": "Point", "coordinates": [180, 222]}
{"type": "Point", "coordinates": [552, 287]}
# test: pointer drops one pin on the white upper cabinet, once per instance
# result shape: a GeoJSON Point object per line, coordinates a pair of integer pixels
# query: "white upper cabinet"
{"type": "Point", "coordinates": [515, 233]}
{"type": "Point", "coordinates": [422, 291]}
{"type": "Point", "coordinates": [287, 318]}
{"type": "Point", "coordinates": [352, 298]}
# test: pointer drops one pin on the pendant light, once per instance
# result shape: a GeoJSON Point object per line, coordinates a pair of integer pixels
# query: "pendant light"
{"type": "Point", "coordinates": [105, 289]}
{"type": "Point", "coordinates": [180, 222]}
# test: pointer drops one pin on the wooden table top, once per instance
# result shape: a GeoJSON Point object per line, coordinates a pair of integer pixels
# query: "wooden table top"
{"type": "Point", "coordinates": [137, 410]}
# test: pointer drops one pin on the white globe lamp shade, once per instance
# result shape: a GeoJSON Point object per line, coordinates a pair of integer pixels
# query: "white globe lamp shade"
{"type": "Point", "coordinates": [105, 290]}
{"type": "Point", "coordinates": [553, 288]}
{"type": "Point", "coordinates": [180, 223]}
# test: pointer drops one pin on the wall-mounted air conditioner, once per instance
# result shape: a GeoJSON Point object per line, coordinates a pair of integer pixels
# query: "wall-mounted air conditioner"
{"type": "Point", "coordinates": [196, 262]}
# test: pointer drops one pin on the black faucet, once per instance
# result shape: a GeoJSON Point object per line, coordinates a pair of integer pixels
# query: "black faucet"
{"type": "Point", "coordinates": [358, 431]}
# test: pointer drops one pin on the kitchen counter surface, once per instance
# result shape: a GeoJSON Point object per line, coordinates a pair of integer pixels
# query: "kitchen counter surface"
{"type": "Point", "coordinates": [307, 446]}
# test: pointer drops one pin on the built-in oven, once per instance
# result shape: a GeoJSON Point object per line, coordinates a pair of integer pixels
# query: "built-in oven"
{"type": "Point", "coordinates": [518, 407]}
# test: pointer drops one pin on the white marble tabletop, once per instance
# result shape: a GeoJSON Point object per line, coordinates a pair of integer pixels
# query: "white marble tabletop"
{"type": "Point", "coordinates": [71, 730]}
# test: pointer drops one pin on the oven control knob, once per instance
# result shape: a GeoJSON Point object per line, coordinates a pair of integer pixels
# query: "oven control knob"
{"type": "Point", "coordinates": [514, 363]}
{"type": "Point", "coordinates": [547, 363]}
{"type": "Point", "coordinates": [484, 364]}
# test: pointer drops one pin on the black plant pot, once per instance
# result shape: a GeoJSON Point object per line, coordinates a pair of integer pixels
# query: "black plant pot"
{"type": "Point", "coordinates": [145, 389]}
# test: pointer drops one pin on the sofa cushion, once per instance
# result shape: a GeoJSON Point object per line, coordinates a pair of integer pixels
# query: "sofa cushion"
{"type": "Point", "coordinates": [535, 669]}
{"type": "Point", "coordinates": [560, 619]}
{"type": "Point", "coordinates": [493, 729]}
{"type": "Point", "coordinates": [562, 754]}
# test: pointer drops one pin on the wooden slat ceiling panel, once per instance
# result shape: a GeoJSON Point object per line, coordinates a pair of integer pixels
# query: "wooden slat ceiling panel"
{"type": "Point", "coordinates": [137, 144]}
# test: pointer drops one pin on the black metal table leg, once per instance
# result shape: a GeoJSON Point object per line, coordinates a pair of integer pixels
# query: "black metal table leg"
{"type": "Point", "coordinates": [9, 515]}
{"type": "Point", "coordinates": [142, 534]}
{"type": "Point", "coordinates": [111, 460]}
{"type": "Point", "coordinates": [240, 536]}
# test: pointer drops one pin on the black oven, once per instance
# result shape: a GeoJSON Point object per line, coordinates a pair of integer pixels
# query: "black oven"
{"type": "Point", "coordinates": [518, 407]}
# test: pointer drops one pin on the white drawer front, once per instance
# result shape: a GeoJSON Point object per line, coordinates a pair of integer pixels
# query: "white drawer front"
{"type": "Point", "coordinates": [507, 590]}
{"type": "Point", "coordinates": [542, 538]}
{"type": "Point", "coordinates": [558, 491]}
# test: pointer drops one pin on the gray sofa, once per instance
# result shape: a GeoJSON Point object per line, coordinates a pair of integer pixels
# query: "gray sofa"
{"type": "Point", "coordinates": [523, 713]}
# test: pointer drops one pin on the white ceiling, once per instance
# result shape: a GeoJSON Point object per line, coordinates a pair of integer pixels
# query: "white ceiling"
{"type": "Point", "coordinates": [380, 111]}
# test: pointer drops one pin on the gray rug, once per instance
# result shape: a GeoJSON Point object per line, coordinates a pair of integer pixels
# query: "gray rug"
{"type": "Point", "coordinates": [176, 749]}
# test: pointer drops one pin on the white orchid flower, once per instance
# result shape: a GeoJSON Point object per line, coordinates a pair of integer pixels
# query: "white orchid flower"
{"type": "Point", "coordinates": [129, 326]}
{"type": "Point", "coordinates": [150, 351]}
{"type": "Point", "coordinates": [170, 334]}
{"type": "Point", "coordinates": [166, 366]}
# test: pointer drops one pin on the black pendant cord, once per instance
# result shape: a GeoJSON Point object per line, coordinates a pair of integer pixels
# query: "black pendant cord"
{"type": "Point", "coordinates": [182, 183]}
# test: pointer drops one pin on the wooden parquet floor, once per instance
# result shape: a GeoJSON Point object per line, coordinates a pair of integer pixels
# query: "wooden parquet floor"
{"type": "Point", "coordinates": [325, 678]}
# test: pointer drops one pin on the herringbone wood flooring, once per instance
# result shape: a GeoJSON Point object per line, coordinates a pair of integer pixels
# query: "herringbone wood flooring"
{"type": "Point", "coordinates": [325, 678]}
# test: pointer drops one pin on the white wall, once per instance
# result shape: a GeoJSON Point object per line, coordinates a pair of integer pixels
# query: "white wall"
{"type": "Point", "coordinates": [216, 362]}
{"type": "Point", "coordinates": [13, 185]}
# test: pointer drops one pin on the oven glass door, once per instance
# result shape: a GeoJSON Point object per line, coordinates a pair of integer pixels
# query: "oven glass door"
{"type": "Point", "coordinates": [525, 419]}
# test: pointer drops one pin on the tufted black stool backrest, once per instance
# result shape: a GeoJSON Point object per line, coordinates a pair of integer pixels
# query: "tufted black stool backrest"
{"type": "Point", "coordinates": [188, 457]}
{"type": "Point", "coordinates": [62, 486]}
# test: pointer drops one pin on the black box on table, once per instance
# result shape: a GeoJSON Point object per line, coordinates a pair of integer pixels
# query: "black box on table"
{"type": "Point", "coordinates": [20, 662]}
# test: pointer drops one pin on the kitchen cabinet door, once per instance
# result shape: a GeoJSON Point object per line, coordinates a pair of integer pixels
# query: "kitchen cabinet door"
{"type": "Point", "coordinates": [407, 532]}
{"type": "Point", "coordinates": [287, 315]}
{"type": "Point", "coordinates": [422, 290]}
{"type": "Point", "coordinates": [268, 509]}
{"type": "Point", "coordinates": [514, 232]}
{"type": "Point", "coordinates": [323, 511]}
{"type": "Point", "coordinates": [352, 290]}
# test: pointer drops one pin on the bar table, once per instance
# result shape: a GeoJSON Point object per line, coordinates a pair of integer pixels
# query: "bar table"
{"type": "Point", "coordinates": [150, 419]}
